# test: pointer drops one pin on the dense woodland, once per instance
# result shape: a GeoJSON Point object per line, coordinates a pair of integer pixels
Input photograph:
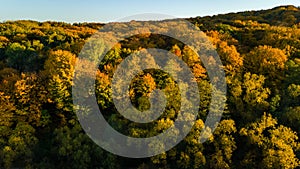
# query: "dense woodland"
{"type": "Point", "coordinates": [260, 127]}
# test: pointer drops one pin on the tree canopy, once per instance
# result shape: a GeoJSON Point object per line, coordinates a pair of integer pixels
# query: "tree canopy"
{"type": "Point", "coordinates": [260, 53]}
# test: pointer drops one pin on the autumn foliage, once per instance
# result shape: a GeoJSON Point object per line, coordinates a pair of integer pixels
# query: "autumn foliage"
{"type": "Point", "coordinates": [260, 54]}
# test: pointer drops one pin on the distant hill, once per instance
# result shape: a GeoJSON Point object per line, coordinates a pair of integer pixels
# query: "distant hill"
{"type": "Point", "coordinates": [278, 16]}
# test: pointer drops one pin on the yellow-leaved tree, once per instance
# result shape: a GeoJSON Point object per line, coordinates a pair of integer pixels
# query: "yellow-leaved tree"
{"type": "Point", "coordinates": [60, 69]}
{"type": "Point", "coordinates": [269, 145]}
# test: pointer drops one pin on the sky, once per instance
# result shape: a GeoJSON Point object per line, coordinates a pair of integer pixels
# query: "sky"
{"type": "Point", "coordinates": [74, 11]}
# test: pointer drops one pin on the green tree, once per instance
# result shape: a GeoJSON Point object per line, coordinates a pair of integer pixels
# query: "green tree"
{"type": "Point", "coordinates": [18, 150]}
{"type": "Point", "coordinates": [74, 149]}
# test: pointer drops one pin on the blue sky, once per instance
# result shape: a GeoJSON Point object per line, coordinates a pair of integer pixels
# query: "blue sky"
{"type": "Point", "coordinates": [113, 10]}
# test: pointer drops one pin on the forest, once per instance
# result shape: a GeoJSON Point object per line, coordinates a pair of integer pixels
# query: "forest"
{"type": "Point", "coordinates": [260, 126]}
